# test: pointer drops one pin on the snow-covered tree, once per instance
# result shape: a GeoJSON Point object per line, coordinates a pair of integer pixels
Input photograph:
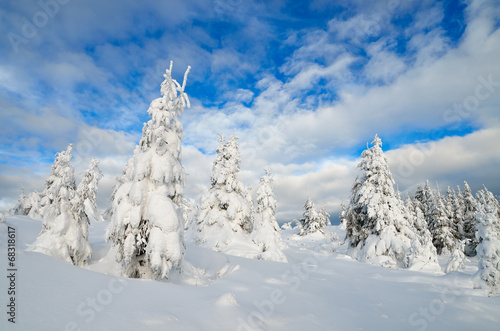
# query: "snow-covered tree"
{"type": "Point", "coordinates": [458, 214]}
{"type": "Point", "coordinates": [342, 216]}
{"type": "Point", "coordinates": [87, 189]}
{"type": "Point", "coordinates": [312, 220]}
{"type": "Point", "coordinates": [457, 258]}
{"type": "Point", "coordinates": [146, 225]}
{"type": "Point", "coordinates": [266, 232]}
{"type": "Point", "coordinates": [422, 253]}
{"type": "Point", "coordinates": [222, 218]}
{"type": "Point", "coordinates": [488, 218]}
{"type": "Point", "coordinates": [376, 228]}
{"type": "Point", "coordinates": [28, 205]}
{"type": "Point", "coordinates": [470, 220]}
{"type": "Point", "coordinates": [64, 231]}
{"type": "Point", "coordinates": [441, 225]}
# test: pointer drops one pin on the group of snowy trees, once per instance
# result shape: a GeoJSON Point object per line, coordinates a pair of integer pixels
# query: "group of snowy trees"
{"type": "Point", "coordinates": [224, 217]}
{"type": "Point", "coordinates": [65, 210]}
{"type": "Point", "coordinates": [149, 216]}
{"type": "Point", "coordinates": [383, 229]}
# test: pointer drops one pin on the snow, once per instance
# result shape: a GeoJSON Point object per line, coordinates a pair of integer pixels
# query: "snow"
{"type": "Point", "coordinates": [320, 288]}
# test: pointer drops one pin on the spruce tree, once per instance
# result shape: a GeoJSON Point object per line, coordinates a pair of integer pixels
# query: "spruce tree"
{"type": "Point", "coordinates": [441, 226]}
{"type": "Point", "coordinates": [87, 189]}
{"type": "Point", "coordinates": [376, 228]}
{"type": "Point", "coordinates": [266, 233]}
{"type": "Point", "coordinates": [312, 220]}
{"type": "Point", "coordinates": [488, 225]}
{"type": "Point", "coordinates": [64, 231]}
{"type": "Point", "coordinates": [470, 221]}
{"type": "Point", "coordinates": [146, 225]}
{"type": "Point", "coordinates": [222, 219]}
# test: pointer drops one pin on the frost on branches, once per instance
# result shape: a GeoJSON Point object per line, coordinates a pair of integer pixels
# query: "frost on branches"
{"type": "Point", "coordinates": [87, 190]}
{"type": "Point", "coordinates": [222, 219]}
{"type": "Point", "coordinates": [146, 224]}
{"type": "Point", "coordinates": [488, 251]}
{"type": "Point", "coordinates": [64, 231]}
{"type": "Point", "coordinates": [267, 233]}
{"type": "Point", "coordinates": [376, 228]}
{"type": "Point", "coordinates": [313, 220]}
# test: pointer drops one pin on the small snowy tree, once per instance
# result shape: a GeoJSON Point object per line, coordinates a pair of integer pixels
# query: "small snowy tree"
{"type": "Point", "coordinates": [222, 218]}
{"type": "Point", "coordinates": [64, 231]}
{"type": "Point", "coordinates": [458, 214]}
{"type": "Point", "coordinates": [488, 217]}
{"type": "Point", "coordinates": [28, 205]}
{"type": "Point", "coordinates": [266, 233]}
{"type": "Point", "coordinates": [376, 228]}
{"type": "Point", "coordinates": [87, 189]}
{"type": "Point", "coordinates": [146, 224]}
{"type": "Point", "coordinates": [457, 258]}
{"type": "Point", "coordinates": [312, 221]}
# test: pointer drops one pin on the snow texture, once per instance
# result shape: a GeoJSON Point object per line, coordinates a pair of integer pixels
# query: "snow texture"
{"type": "Point", "coordinates": [146, 220]}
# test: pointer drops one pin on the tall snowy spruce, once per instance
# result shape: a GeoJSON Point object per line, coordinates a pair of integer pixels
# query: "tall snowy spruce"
{"type": "Point", "coordinates": [441, 223]}
{"type": "Point", "coordinates": [377, 230]}
{"type": "Point", "coordinates": [146, 223]}
{"type": "Point", "coordinates": [266, 233]}
{"type": "Point", "coordinates": [64, 231]}
{"type": "Point", "coordinates": [470, 220]}
{"type": "Point", "coordinates": [222, 219]}
{"type": "Point", "coordinates": [87, 189]}
{"type": "Point", "coordinates": [488, 251]}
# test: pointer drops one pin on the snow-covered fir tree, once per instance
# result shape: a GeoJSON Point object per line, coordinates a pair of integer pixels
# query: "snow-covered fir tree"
{"type": "Point", "coordinates": [458, 214]}
{"type": "Point", "coordinates": [488, 251]}
{"type": "Point", "coordinates": [28, 205]}
{"type": "Point", "coordinates": [325, 216]}
{"type": "Point", "coordinates": [312, 220]}
{"type": "Point", "coordinates": [222, 219]}
{"type": "Point", "coordinates": [470, 220]}
{"type": "Point", "coordinates": [377, 230]}
{"type": "Point", "coordinates": [457, 258]}
{"type": "Point", "coordinates": [64, 231]}
{"type": "Point", "coordinates": [422, 253]}
{"type": "Point", "coordinates": [87, 189]}
{"type": "Point", "coordinates": [266, 233]}
{"type": "Point", "coordinates": [146, 223]}
{"type": "Point", "coordinates": [441, 224]}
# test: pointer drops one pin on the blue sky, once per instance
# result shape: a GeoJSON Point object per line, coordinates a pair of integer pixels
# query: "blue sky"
{"type": "Point", "coordinates": [305, 85]}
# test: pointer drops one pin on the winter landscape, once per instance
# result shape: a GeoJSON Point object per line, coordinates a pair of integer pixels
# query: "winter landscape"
{"type": "Point", "coordinates": [230, 165]}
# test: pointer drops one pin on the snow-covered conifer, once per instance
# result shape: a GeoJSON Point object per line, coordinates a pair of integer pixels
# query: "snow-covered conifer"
{"type": "Point", "coordinates": [64, 231]}
{"type": "Point", "coordinates": [28, 205]}
{"type": "Point", "coordinates": [222, 218]}
{"type": "Point", "coordinates": [422, 253]}
{"type": "Point", "coordinates": [146, 224]}
{"type": "Point", "coordinates": [488, 217]}
{"type": "Point", "coordinates": [457, 258]}
{"type": "Point", "coordinates": [312, 220]}
{"type": "Point", "coordinates": [87, 189]}
{"type": "Point", "coordinates": [376, 228]}
{"type": "Point", "coordinates": [470, 220]}
{"type": "Point", "coordinates": [458, 214]}
{"type": "Point", "coordinates": [441, 226]}
{"type": "Point", "coordinates": [266, 232]}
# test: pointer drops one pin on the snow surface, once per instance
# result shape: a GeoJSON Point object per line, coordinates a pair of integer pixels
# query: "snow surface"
{"type": "Point", "coordinates": [320, 288]}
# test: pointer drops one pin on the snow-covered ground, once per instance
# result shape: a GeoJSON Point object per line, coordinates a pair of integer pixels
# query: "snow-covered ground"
{"type": "Point", "coordinates": [320, 288]}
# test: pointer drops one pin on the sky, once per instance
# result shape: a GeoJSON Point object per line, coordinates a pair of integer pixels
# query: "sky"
{"type": "Point", "coordinates": [305, 85]}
